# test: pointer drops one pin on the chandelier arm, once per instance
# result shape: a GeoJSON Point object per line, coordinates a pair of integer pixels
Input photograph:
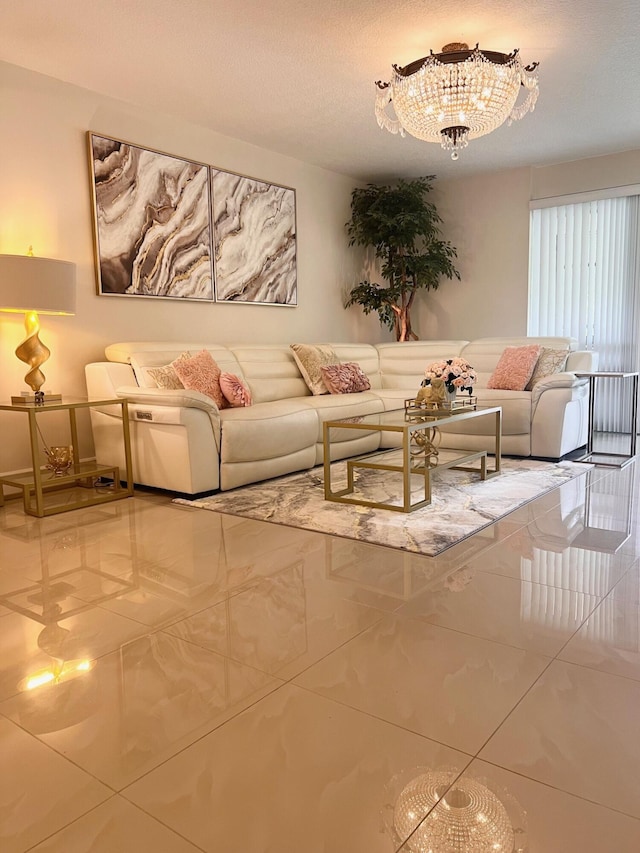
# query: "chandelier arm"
{"type": "Point", "coordinates": [383, 99]}
{"type": "Point", "coordinates": [527, 106]}
{"type": "Point", "coordinates": [529, 80]}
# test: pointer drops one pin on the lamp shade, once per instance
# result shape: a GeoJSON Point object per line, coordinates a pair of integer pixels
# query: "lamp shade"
{"type": "Point", "coordinates": [37, 284]}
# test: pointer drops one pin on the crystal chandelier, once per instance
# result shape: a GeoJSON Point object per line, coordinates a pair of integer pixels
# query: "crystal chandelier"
{"type": "Point", "coordinates": [456, 95]}
{"type": "Point", "coordinates": [441, 812]}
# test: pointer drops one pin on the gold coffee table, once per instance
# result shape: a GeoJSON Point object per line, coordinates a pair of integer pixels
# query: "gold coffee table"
{"type": "Point", "coordinates": [418, 453]}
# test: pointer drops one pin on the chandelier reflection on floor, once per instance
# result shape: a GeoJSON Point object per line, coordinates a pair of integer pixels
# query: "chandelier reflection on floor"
{"type": "Point", "coordinates": [465, 815]}
{"type": "Point", "coordinates": [456, 95]}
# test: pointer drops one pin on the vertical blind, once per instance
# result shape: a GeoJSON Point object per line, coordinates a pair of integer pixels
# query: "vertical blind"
{"type": "Point", "coordinates": [583, 282]}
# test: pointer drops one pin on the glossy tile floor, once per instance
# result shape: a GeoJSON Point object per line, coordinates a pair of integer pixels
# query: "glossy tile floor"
{"type": "Point", "coordinates": [174, 680]}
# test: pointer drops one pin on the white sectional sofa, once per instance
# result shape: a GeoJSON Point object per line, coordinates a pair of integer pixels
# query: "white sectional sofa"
{"type": "Point", "coordinates": [182, 442]}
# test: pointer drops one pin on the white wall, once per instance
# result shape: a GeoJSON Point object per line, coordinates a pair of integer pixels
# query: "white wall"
{"type": "Point", "coordinates": [591, 173]}
{"type": "Point", "coordinates": [45, 201]}
{"type": "Point", "coordinates": [486, 218]}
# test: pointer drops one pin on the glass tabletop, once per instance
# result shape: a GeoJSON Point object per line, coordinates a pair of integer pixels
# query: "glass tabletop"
{"type": "Point", "coordinates": [400, 419]}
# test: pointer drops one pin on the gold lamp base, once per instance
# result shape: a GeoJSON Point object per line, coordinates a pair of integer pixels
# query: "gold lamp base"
{"type": "Point", "coordinates": [34, 353]}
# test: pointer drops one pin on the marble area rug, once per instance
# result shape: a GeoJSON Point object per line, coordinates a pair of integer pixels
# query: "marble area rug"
{"type": "Point", "coordinates": [461, 503]}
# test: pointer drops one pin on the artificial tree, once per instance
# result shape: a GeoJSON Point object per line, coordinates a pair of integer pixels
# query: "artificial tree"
{"type": "Point", "coordinates": [403, 227]}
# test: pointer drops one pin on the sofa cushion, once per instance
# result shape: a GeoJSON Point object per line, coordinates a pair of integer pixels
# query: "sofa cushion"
{"type": "Point", "coordinates": [394, 398]}
{"type": "Point", "coordinates": [402, 363]}
{"type": "Point", "coordinates": [310, 359]}
{"type": "Point", "coordinates": [347, 378]}
{"type": "Point", "coordinates": [200, 372]}
{"type": "Point", "coordinates": [550, 361]}
{"type": "Point", "coordinates": [365, 355]}
{"type": "Point", "coordinates": [516, 413]}
{"type": "Point", "coordinates": [267, 431]}
{"type": "Point", "coordinates": [164, 377]}
{"type": "Point", "coordinates": [271, 372]}
{"type": "Point", "coordinates": [332, 407]}
{"type": "Point", "coordinates": [483, 354]}
{"type": "Point", "coordinates": [155, 376]}
{"type": "Point", "coordinates": [235, 391]}
{"type": "Point", "coordinates": [515, 368]}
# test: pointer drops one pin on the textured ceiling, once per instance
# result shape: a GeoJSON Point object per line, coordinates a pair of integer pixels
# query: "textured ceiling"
{"type": "Point", "coordinates": [297, 76]}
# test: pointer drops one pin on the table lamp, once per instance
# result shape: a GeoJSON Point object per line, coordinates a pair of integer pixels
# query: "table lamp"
{"type": "Point", "coordinates": [36, 285]}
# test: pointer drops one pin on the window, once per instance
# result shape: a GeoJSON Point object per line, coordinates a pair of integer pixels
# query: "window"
{"type": "Point", "coordinates": [583, 282]}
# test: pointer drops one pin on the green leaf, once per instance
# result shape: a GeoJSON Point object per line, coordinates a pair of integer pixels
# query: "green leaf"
{"type": "Point", "coordinates": [403, 227]}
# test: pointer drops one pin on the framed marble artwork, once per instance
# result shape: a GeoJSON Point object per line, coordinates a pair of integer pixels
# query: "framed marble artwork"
{"type": "Point", "coordinates": [254, 239]}
{"type": "Point", "coordinates": [152, 222]}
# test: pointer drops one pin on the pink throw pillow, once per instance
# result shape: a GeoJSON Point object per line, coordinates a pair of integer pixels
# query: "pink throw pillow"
{"type": "Point", "coordinates": [200, 372]}
{"type": "Point", "coordinates": [348, 378]}
{"type": "Point", "coordinates": [236, 392]}
{"type": "Point", "coordinates": [515, 368]}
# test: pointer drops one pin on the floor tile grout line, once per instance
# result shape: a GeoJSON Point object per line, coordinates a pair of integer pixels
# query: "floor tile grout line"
{"type": "Point", "coordinates": [222, 655]}
{"type": "Point", "coordinates": [153, 630]}
{"type": "Point", "coordinates": [71, 822]}
{"type": "Point", "coordinates": [471, 636]}
{"type": "Point", "coordinates": [289, 679]}
{"type": "Point", "coordinates": [62, 755]}
{"type": "Point", "coordinates": [123, 791]}
{"type": "Point", "coordinates": [584, 622]}
{"type": "Point", "coordinates": [280, 686]}
{"type": "Point", "coordinates": [337, 648]}
{"type": "Point", "coordinates": [116, 790]}
{"type": "Point", "coordinates": [594, 669]}
{"type": "Point", "coordinates": [523, 648]}
{"type": "Point", "coordinates": [215, 728]}
{"type": "Point", "coordinates": [517, 704]}
{"type": "Point", "coordinates": [162, 823]}
{"type": "Point", "coordinates": [99, 805]}
{"type": "Point", "coordinates": [560, 790]}
{"type": "Point", "coordinates": [522, 776]}
{"type": "Point", "coordinates": [555, 659]}
{"type": "Point", "coordinates": [381, 719]}
{"type": "Point", "coordinates": [599, 599]}
{"type": "Point", "coordinates": [171, 621]}
{"type": "Point", "coordinates": [577, 631]}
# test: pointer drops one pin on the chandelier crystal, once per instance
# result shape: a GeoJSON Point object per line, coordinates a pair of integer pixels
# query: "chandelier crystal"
{"type": "Point", "coordinates": [439, 811]}
{"type": "Point", "coordinates": [456, 95]}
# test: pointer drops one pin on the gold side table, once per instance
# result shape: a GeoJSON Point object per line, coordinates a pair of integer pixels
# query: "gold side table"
{"type": "Point", "coordinates": [81, 477]}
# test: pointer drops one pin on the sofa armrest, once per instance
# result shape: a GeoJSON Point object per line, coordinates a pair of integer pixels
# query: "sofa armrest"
{"type": "Point", "coordinates": [559, 415]}
{"type": "Point", "coordinates": [556, 380]}
{"type": "Point", "coordinates": [167, 397]}
{"type": "Point", "coordinates": [168, 406]}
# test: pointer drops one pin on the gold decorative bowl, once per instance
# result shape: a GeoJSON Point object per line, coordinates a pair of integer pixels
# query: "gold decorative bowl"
{"type": "Point", "coordinates": [59, 459]}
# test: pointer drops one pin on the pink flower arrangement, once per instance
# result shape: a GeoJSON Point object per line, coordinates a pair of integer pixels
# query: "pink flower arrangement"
{"type": "Point", "coordinates": [457, 373]}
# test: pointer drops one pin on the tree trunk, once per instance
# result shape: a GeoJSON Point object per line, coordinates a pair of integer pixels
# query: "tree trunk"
{"type": "Point", "coordinates": [404, 332]}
